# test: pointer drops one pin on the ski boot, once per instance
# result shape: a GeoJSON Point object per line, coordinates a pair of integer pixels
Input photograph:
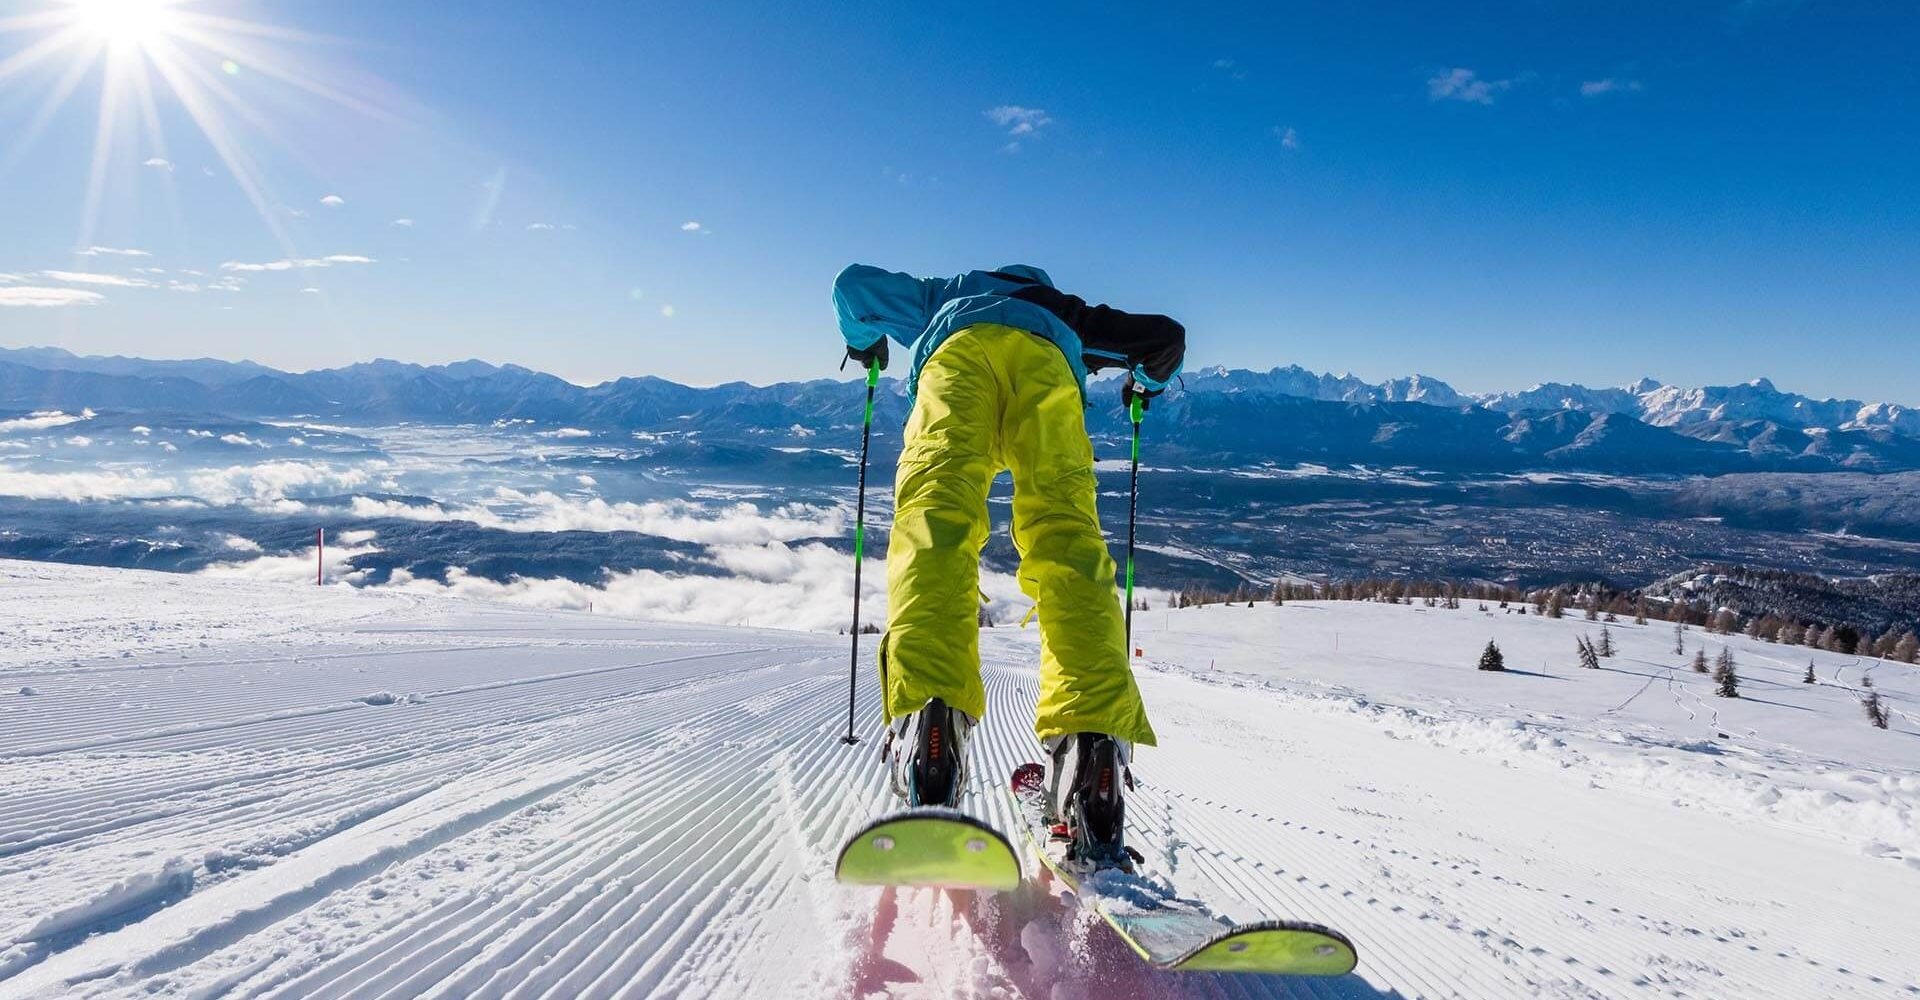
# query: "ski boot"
{"type": "Point", "coordinates": [927, 751]}
{"type": "Point", "coordinates": [1086, 801]}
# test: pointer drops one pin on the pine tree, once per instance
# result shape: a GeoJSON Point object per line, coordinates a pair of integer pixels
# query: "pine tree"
{"type": "Point", "coordinates": [1588, 658]}
{"type": "Point", "coordinates": [1700, 660]}
{"type": "Point", "coordinates": [1876, 710]}
{"type": "Point", "coordinates": [1555, 605]}
{"type": "Point", "coordinates": [1811, 636]}
{"type": "Point", "coordinates": [1606, 641]}
{"type": "Point", "coordinates": [1727, 682]}
{"type": "Point", "coordinates": [1640, 610]}
{"type": "Point", "coordinates": [1679, 638]}
{"type": "Point", "coordinates": [1905, 649]}
{"type": "Point", "coordinates": [1490, 658]}
{"type": "Point", "coordinates": [1808, 678]}
{"type": "Point", "coordinates": [1593, 609]}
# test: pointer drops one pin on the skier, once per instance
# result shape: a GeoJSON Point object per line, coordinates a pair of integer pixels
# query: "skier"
{"type": "Point", "coordinates": [998, 381]}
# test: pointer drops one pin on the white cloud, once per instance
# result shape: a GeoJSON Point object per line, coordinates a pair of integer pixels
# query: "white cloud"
{"type": "Point", "coordinates": [586, 480]}
{"type": "Point", "coordinates": [404, 223]}
{"type": "Point", "coordinates": [182, 286]}
{"type": "Point", "coordinates": [89, 278]}
{"type": "Point", "coordinates": [143, 430]}
{"type": "Point", "coordinates": [1289, 139]}
{"type": "Point", "coordinates": [110, 251]}
{"type": "Point", "coordinates": [1610, 85]}
{"type": "Point", "coordinates": [9, 279]}
{"type": "Point", "coordinates": [1018, 120]}
{"type": "Point", "coordinates": [238, 544]}
{"type": "Point", "coordinates": [40, 420]}
{"type": "Point", "coordinates": [28, 295]}
{"type": "Point", "coordinates": [241, 439]}
{"type": "Point", "coordinates": [666, 312]}
{"type": "Point", "coordinates": [567, 432]}
{"type": "Point", "coordinates": [333, 201]}
{"type": "Point", "coordinates": [769, 585]}
{"type": "Point", "coordinates": [694, 227]}
{"type": "Point", "coordinates": [539, 227]}
{"type": "Point", "coordinates": [299, 262]}
{"type": "Point", "coordinates": [681, 520]}
{"type": "Point", "coordinates": [158, 163]}
{"type": "Point", "coordinates": [267, 484]}
{"type": "Point", "coordinates": [295, 567]}
{"type": "Point", "coordinates": [78, 486]}
{"type": "Point", "coordinates": [1460, 84]}
{"type": "Point", "coordinates": [80, 441]}
{"type": "Point", "coordinates": [310, 290]}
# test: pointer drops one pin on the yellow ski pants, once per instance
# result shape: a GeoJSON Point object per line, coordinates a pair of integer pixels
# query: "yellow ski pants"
{"type": "Point", "coordinates": [992, 398]}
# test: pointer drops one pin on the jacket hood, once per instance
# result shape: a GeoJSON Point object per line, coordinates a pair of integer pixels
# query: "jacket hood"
{"type": "Point", "coordinates": [1027, 271]}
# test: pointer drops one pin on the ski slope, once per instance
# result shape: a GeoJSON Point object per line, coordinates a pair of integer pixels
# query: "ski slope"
{"type": "Point", "coordinates": [217, 788]}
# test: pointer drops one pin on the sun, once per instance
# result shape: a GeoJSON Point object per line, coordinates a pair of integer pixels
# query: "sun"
{"type": "Point", "coordinates": [127, 23]}
{"type": "Point", "coordinates": [228, 74]}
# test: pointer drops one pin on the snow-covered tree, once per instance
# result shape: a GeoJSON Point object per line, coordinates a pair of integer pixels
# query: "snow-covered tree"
{"type": "Point", "coordinates": [1700, 660]}
{"type": "Point", "coordinates": [1905, 649]}
{"type": "Point", "coordinates": [1876, 709]}
{"type": "Point", "coordinates": [1727, 683]}
{"type": "Point", "coordinates": [1640, 610]}
{"type": "Point", "coordinates": [1490, 658]}
{"type": "Point", "coordinates": [1556, 606]}
{"type": "Point", "coordinates": [1606, 641]}
{"type": "Point", "coordinates": [1810, 636]}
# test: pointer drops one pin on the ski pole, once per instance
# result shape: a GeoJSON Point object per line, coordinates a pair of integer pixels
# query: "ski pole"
{"type": "Point", "coordinates": [1135, 408]}
{"type": "Point", "coordinates": [859, 547]}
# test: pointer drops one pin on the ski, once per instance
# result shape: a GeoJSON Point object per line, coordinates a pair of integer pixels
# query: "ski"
{"type": "Point", "coordinates": [1169, 932]}
{"type": "Point", "coordinates": [929, 846]}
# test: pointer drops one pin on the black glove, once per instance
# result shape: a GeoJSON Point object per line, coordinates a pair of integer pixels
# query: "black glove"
{"type": "Point", "coordinates": [1132, 389]}
{"type": "Point", "coordinates": [866, 355]}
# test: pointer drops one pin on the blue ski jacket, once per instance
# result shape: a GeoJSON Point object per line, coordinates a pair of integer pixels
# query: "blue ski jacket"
{"type": "Point", "coordinates": [922, 313]}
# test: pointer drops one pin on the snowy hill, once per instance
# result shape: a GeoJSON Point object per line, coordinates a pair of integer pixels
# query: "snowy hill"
{"type": "Point", "coordinates": [222, 788]}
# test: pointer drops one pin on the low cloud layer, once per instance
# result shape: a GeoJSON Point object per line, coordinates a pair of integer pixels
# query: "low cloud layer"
{"type": "Point", "coordinates": [680, 520]}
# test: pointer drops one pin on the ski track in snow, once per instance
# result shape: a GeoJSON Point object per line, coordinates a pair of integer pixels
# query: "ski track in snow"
{"type": "Point", "coordinates": [379, 795]}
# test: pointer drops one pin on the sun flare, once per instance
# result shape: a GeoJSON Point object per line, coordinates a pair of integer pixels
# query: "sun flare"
{"type": "Point", "coordinates": [127, 22]}
{"type": "Point", "coordinates": [225, 72]}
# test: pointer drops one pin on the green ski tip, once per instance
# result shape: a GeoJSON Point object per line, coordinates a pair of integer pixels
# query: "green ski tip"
{"type": "Point", "coordinates": [1287, 949]}
{"type": "Point", "coordinates": [930, 847]}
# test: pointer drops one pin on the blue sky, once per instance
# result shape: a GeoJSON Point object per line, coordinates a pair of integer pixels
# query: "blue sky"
{"type": "Point", "coordinates": [1492, 193]}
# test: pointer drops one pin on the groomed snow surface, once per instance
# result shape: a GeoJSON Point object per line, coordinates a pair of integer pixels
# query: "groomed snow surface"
{"type": "Point", "coordinates": [230, 789]}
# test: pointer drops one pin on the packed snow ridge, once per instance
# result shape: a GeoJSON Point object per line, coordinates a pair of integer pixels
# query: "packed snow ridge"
{"type": "Point", "coordinates": [225, 788]}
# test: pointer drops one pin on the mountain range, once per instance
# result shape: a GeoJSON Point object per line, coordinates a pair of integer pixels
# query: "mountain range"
{"type": "Point", "coordinates": [1236, 417]}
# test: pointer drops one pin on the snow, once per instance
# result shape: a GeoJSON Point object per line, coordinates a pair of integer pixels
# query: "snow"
{"type": "Point", "coordinates": [283, 791]}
